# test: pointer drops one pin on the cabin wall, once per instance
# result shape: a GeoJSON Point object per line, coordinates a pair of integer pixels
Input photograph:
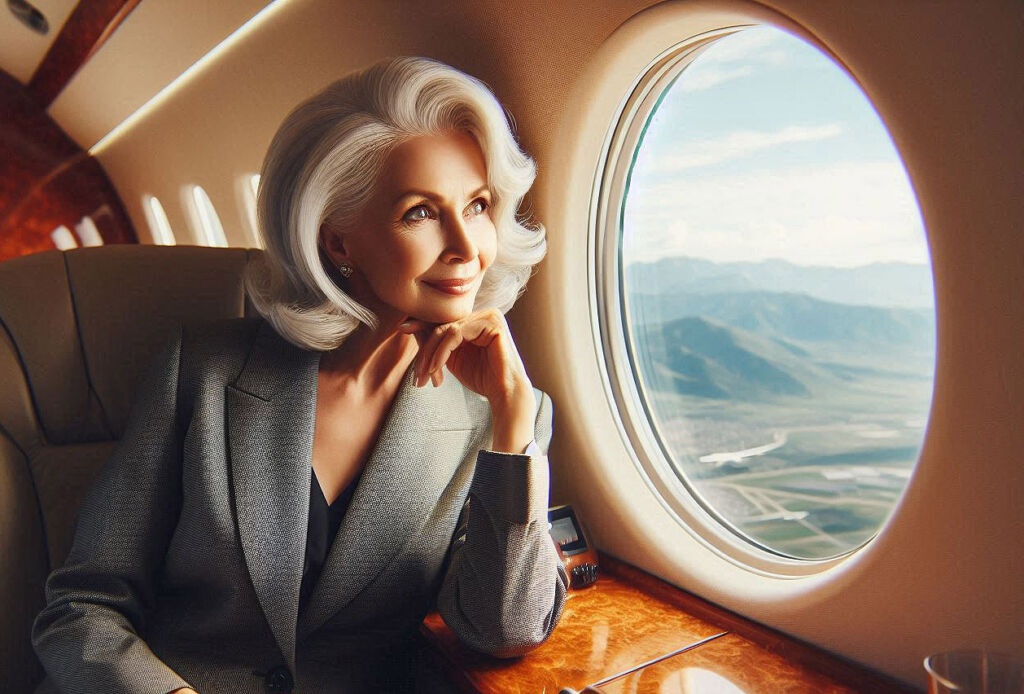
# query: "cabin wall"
{"type": "Point", "coordinates": [947, 79]}
{"type": "Point", "coordinates": [47, 180]}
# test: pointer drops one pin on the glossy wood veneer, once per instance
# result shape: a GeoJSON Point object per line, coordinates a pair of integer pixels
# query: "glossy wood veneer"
{"type": "Point", "coordinates": [47, 180]}
{"type": "Point", "coordinates": [799, 653]}
{"type": "Point", "coordinates": [728, 665]}
{"type": "Point", "coordinates": [88, 26]}
{"type": "Point", "coordinates": [604, 629]}
{"type": "Point", "coordinates": [629, 617]}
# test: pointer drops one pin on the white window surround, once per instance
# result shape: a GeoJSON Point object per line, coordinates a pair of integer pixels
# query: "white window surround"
{"type": "Point", "coordinates": [633, 423]}
{"type": "Point", "coordinates": [156, 218]}
{"type": "Point", "coordinates": [246, 186]}
{"type": "Point", "coordinates": [693, 550]}
{"type": "Point", "coordinates": [63, 238]}
{"type": "Point", "coordinates": [88, 232]}
{"type": "Point", "coordinates": [203, 216]}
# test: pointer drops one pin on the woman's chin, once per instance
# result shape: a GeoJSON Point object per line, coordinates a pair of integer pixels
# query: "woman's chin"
{"type": "Point", "coordinates": [456, 310]}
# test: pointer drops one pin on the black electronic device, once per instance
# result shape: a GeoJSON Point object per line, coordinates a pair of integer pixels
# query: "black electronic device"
{"type": "Point", "coordinates": [577, 553]}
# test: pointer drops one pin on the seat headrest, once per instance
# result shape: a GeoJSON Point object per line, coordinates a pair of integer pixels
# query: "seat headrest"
{"type": "Point", "coordinates": [83, 323]}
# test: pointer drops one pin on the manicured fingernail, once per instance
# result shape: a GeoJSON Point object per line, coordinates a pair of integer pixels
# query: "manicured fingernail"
{"type": "Point", "coordinates": [406, 325]}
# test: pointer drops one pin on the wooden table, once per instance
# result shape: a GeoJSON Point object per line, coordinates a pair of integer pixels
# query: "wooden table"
{"type": "Point", "coordinates": [629, 617]}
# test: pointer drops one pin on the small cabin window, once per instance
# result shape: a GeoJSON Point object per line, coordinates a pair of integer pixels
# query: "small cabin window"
{"type": "Point", "coordinates": [88, 232]}
{"type": "Point", "coordinates": [248, 187]}
{"type": "Point", "coordinates": [159, 226]}
{"type": "Point", "coordinates": [63, 238]}
{"type": "Point", "coordinates": [766, 277]}
{"type": "Point", "coordinates": [209, 230]}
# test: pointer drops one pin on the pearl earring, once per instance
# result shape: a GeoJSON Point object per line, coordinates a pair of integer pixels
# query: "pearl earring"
{"type": "Point", "coordinates": [346, 270]}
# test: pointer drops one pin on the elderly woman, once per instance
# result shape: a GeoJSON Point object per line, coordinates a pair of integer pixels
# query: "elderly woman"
{"type": "Point", "coordinates": [294, 492]}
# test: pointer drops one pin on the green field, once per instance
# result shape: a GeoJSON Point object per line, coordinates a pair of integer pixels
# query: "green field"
{"type": "Point", "coordinates": [849, 450]}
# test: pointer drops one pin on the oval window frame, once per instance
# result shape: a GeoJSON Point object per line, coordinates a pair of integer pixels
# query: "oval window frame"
{"type": "Point", "coordinates": [609, 316]}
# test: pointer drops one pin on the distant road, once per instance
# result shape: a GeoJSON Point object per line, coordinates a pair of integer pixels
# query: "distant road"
{"type": "Point", "coordinates": [719, 459]}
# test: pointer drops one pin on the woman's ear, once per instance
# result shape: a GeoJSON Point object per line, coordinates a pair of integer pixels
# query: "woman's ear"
{"type": "Point", "coordinates": [332, 243]}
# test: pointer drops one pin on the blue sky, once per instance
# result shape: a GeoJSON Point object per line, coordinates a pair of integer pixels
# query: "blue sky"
{"type": "Point", "coordinates": [764, 148]}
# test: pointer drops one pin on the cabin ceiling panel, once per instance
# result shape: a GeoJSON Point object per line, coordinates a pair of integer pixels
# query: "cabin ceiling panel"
{"type": "Point", "coordinates": [217, 124]}
{"type": "Point", "coordinates": [150, 49]}
{"type": "Point", "coordinates": [21, 49]}
{"type": "Point", "coordinates": [84, 33]}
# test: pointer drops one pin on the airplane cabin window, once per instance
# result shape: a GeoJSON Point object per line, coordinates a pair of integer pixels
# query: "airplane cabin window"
{"type": "Point", "coordinates": [209, 230]}
{"type": "Point", "coordinates": [248, 187]}
{"type": "Point", "coordinates": [87, 231]}
{"type": "Point", "coordinates": [159, 226]}
{"type": "Point", "coordinates": [63, 238]}
{"type": "Point", "coordinates": [770, 285]}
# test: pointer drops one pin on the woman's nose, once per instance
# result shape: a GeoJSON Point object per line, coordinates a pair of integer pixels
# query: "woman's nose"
{"type": "Point", "coordinates": [459, 246]}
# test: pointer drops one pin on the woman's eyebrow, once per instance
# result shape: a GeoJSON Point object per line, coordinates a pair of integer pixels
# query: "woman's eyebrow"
{"type": "Point", "coordinates": [436, 197]}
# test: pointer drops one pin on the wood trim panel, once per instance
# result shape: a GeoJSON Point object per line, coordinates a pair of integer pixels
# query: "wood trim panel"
{"type": "Point", "coordinates": [77, 189]}
{"type": "Point", "coordinates": [31, 143]}
{"type": "Point", "coordinates": [630, 617]}
{"type": "Point", "coordinates": [795, 651]}
{"type": "Point", "coordinates": [604, 628]}
{"type": "Point", "coordinates": [87, 28]}
{"type": "Point", "coordinates": [47, 180]}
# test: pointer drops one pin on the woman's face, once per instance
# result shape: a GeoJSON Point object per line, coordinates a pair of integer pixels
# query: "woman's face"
{"type": "Point", "coordinates": [424, 240]}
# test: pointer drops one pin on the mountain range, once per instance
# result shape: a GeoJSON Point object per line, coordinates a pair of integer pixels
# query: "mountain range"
{"type": "Point", "coordinates": [764, 344]}
{"type": "Point", "coordinates": [790, 316]}
{"type": "Point", "coordinates": [879, 284]}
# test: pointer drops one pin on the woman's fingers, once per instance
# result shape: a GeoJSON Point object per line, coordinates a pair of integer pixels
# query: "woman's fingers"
{"type": "Point", "coordinates": [426, 335]}
{"type": "Point", "coordinates": [427, 349]}
{"type": "Point", "coordinates": [451, 340]}
{"type": "Point", "coordinates": [437, 344]}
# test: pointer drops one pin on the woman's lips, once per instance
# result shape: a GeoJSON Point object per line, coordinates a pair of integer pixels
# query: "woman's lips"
{"type": "Point", "coordinates": [455, 287]}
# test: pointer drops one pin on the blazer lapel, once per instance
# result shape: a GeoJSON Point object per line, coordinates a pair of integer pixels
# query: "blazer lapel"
{"type": "Point", "coordinates": [271, 411]}
{"type": "Point", "coordinates": [421, 444]}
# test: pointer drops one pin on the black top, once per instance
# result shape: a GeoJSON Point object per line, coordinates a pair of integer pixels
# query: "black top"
{"type": "Point", "coordinates": [324, 521]}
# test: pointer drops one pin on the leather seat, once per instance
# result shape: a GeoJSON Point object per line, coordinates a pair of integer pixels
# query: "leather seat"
{"type": "Point", "coordinates": [77, 329]}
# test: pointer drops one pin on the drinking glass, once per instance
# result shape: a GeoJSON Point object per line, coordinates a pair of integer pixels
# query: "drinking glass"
{"type": "Point", "coordinates": [974, 672]}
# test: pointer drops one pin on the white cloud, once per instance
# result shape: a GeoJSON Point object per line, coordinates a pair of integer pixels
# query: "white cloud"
{"type": "Point", "coordinates": [843, 214]}
{"type": "Point", "coordinates": [698, 80]}
{"type": "Point", "coordinates": [653, 236]}
{"type": "Point", "coordinates": [742, 46]}
{"type": "Point", "coordinates": [739, 144]}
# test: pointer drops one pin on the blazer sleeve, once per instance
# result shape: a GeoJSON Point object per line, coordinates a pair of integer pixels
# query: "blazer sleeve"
{"type": "Point", "coordinates": [88, 635]}
{"type": "Point", "coordinates": [505, 587]}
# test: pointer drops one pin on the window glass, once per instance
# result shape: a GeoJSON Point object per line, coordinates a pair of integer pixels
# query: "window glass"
{"type": "Point", "coordinates": [159, 226]}
{"type": "Point", "coordinates": [777, 295]}
{"type": "Point", "coordinates": [63, 238]}
{"type": "Point", "coordinates": [208, 225]}
{"type": "Point", "coordinates": [250, 184]}
{"type": "Point", "coordinates": [88, 232]}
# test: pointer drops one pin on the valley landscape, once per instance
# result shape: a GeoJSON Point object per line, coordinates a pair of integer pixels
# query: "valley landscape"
{"type": "Point", "coordinates": [792, 399]}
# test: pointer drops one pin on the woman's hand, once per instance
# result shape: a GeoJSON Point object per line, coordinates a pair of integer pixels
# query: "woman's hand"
{"type": "Point", "coordinates": [479, 351]}
{"type": "Point", "coordinates": [184, 690]}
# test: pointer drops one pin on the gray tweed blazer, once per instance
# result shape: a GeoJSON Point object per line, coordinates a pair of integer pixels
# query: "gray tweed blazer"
{"type": "Point", "coordinates": [188, 550]}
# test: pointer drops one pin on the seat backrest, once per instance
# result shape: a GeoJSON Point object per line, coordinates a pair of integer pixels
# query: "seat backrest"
{"type": "Point", "coordinates": [76, 329]}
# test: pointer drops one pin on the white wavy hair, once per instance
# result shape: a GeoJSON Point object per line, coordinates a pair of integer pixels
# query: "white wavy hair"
{"type": "Point", "coordinates": [325, 161]}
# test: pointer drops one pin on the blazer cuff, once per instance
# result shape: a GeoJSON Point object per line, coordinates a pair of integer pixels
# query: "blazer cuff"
{"type": "Point", "coordinates": [512, 487]}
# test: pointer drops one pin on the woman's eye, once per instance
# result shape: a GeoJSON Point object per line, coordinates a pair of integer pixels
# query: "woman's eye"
{"type": "Point", "coordinates": [417, 214]}
{"type": "Point", "coordinates": [479, 206]}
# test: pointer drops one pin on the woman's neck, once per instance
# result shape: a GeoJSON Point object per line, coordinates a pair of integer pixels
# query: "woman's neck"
{"type": "Point", "coordinates": [369, 358]}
